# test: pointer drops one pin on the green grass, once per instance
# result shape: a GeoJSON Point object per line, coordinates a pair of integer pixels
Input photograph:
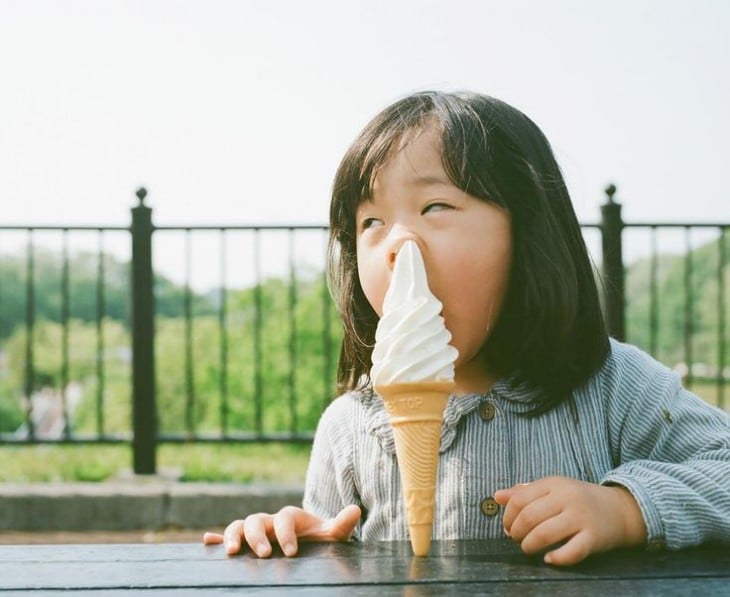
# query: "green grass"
{"type": "Point", "coordinates": [276, 463]}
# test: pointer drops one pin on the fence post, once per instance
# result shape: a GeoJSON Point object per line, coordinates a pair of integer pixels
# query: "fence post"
{"type": "Point", "coordinates": [143, 337]}
{"type": "Point", "coordinates": [613, 265]}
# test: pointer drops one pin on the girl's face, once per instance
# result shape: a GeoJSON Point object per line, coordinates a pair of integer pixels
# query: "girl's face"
{"type": "Point", "coordinates": [465, 243]}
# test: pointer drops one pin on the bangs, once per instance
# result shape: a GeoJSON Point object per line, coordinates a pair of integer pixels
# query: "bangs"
{"type": "Point", "coordinates": [463, 144]}
{"type": "Point", "coordinates": [470, 142]}
{"type": "Point", "coordinates": [386, 143]}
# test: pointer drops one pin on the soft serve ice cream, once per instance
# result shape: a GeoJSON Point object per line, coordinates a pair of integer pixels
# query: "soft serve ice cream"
{"type": "Point", "coordinates": [411, 340]}
{"type": "Point", "coordinates": [413, 372]}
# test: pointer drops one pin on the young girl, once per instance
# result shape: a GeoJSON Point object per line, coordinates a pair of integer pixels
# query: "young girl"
{"type": "Point", "coordinates": [565, 441]}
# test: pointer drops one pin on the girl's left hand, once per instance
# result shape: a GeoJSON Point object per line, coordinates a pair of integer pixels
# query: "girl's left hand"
{"type": "Point", "coordinates": [586, 518]}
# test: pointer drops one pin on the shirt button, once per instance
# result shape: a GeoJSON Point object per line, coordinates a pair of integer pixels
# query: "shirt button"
{"type": "Point", "coordinates": [487, 411]}
{"type": "Point", "coordinates": [489, 506]}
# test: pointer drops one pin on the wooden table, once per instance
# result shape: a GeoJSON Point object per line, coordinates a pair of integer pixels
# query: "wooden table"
{"type": "Point", "coordinates": [461, 567]}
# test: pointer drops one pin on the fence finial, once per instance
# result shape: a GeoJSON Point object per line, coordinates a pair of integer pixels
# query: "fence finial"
{"type": "Point", "coordinates": [141, 193]}
{"type": "Point", "coordinates": [610, 191]}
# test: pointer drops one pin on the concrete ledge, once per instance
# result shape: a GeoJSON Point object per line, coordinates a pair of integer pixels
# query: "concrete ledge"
{"type": "Point", "coordinates": [133, 504]}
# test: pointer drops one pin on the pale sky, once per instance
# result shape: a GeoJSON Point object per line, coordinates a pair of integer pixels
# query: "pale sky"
{"type": "Point", "coordinates": [238, 112]}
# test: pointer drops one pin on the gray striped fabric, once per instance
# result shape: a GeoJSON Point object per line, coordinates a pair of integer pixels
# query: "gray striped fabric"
{"type": "Point", "coordinates": [632, 424]}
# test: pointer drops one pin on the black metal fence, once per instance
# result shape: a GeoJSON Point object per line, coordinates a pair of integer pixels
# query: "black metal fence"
{"type": "Point", "coordinates": [297, 317]}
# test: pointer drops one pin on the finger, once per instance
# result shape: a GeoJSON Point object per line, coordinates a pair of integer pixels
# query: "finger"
{"type": "Point", "coordinates": [233, 536]}
{"type": "Point", "coordinates": [338, 528]}
{"type": "Point", "coordinates": [532, 516]}
{"type": "Point", "coordinates": [257, 528]}
{"type": "Point", "coordinates": [577, 549]}
{"type": "Point", "coordinates": [502, 496]}
{"type": "Point", "coordinates": [285, 529]}
{"type": "Point", "coordinates": [520, 497]}
{"type": "Point", "coordinates": [345, 522]}
{"type": "Point", "coordinates": [212, 538]}
{"type": "Point", "coordinates": [549, 533]}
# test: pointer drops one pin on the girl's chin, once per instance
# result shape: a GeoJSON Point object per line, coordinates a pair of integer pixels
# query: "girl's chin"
{"type": "Point", "coordinates": [473, 375]}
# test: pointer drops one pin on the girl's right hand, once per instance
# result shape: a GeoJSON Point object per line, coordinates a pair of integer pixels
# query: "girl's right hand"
{"type": "Point", "coordinates": [285, 527]}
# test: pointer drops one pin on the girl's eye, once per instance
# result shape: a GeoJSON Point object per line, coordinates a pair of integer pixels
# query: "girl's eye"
{"type": "Point", "coordinates": [435, 207]}
{"type": "Point", "coordinates": [370, 222]}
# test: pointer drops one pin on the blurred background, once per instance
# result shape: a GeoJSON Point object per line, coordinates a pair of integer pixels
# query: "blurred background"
{"type": "Point", "coordinates": [234, 116]}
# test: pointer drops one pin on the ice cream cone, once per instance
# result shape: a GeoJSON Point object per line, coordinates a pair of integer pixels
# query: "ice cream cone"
{"type": "Point", "coordinates": [416, 413]}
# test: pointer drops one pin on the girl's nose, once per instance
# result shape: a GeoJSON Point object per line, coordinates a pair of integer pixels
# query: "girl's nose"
{"type": "Point", "coordinates": [391, 259]}
{"type": "Point", "coordinates": [395, 247]}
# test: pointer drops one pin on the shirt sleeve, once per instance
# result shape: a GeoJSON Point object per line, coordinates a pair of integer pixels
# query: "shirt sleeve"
{"type": "Point", "coordinates": [673, 455]}
{"type": "Point", "coordinates": [330, 483]}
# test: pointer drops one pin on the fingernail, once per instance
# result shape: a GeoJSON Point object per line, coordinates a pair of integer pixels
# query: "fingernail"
{"type": "Point", "coordinates": [231, 546]}
{"type": "Point", "coordinates": [262, 550]}
{"type": "Point", "coordinates": [288, 549]}
{"type": "Point", "coordinates": [506, 532]}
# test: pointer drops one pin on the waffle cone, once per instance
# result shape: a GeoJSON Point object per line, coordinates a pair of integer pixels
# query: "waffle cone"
{"type": "Point", "coordinates": [416, 413]}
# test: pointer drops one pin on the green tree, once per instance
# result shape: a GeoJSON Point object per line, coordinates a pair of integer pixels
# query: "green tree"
{"type": "Point", "coordinates": [83, 290]}
{"type": "Point", "coordinates": [84, 364]}
{"type": "Point", "coordinates": [677, 310]}
{"type": "Point", "coordinates": [296, 369]}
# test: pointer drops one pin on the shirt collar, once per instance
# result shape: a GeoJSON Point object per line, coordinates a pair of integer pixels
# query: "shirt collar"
{"type": "Point", "coordinates": [377, 420]}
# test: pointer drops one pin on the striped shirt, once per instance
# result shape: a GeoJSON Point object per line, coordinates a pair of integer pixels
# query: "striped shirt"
{"type": "Point", "coordinates": [632, 424]}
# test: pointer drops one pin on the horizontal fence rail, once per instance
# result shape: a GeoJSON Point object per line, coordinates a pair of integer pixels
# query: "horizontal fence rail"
{"type": "Point", "coordinates": [242, 346]}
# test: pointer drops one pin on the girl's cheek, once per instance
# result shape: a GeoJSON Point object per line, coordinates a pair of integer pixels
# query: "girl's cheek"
{"type": "Point", "coordinates": [374, 276]}
{"type": "Point", "coordinates": [376, 300]}
{"type": "Point", "coordinates": [374, 291]}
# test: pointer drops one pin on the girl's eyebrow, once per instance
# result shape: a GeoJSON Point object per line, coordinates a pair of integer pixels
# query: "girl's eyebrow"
{"type": "Point", "coordinates": [431, 179]}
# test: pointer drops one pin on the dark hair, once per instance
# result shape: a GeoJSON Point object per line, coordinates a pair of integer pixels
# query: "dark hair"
{"type": "Point", "coordinates": [550, 334]}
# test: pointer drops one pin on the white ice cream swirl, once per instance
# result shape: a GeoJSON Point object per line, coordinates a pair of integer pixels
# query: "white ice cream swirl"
{"type": "Point", "coordinates": [411, 340]}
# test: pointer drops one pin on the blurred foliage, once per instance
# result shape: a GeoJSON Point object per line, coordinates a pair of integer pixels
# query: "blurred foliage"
{"type": "Point", "coordinates": [296, 369]}
{"type": "Point", "coordinates": [83, 278]}
{"type": "Point", "coordinates": [296, 332]}
{"type": "Point", "coordinates": [678, 307]}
